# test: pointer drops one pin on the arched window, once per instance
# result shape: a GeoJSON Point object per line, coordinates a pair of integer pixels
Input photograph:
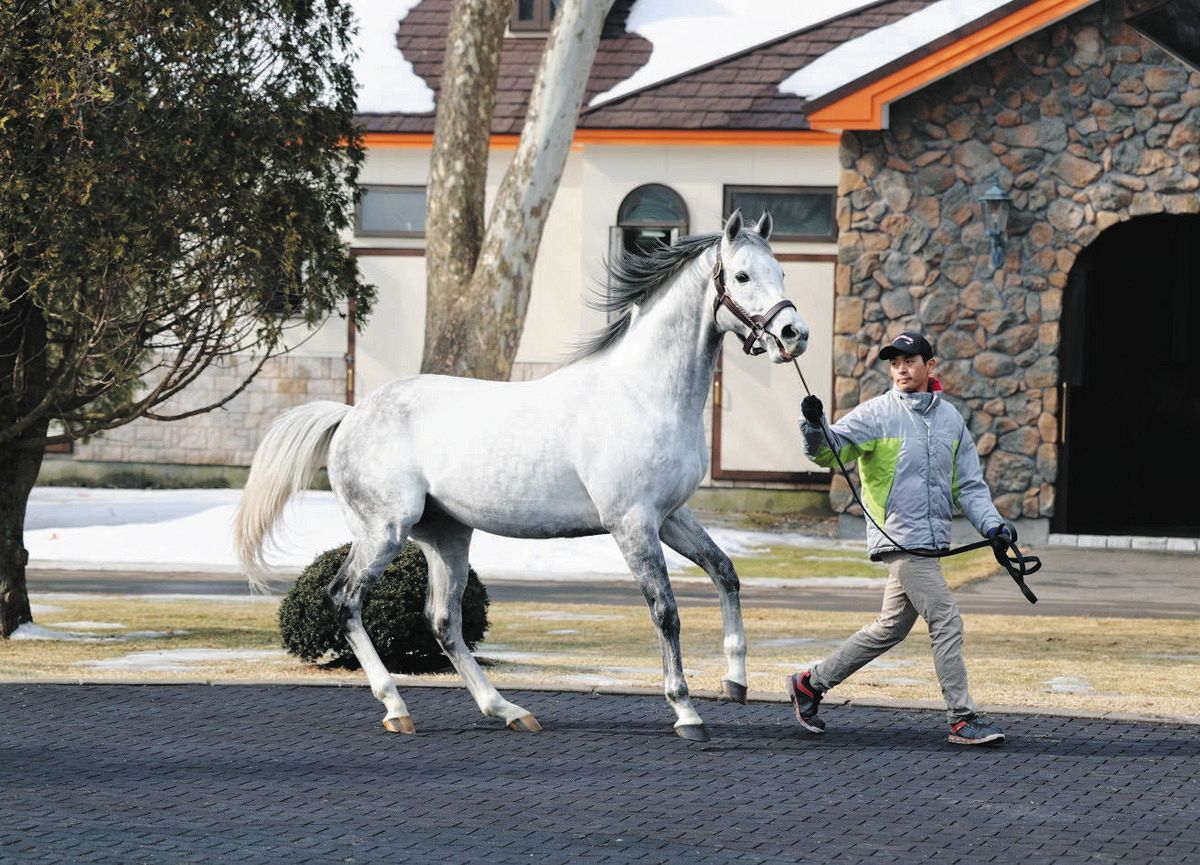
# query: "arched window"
{"type": "Point", "coordinates": [650, 215]}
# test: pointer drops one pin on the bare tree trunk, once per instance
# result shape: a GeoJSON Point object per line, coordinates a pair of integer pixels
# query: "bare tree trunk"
{"type": "Point", "coordinates": [458, 176]}
{"type": "Point", "coordinates": [18, 472]}
{"type": "Point", "coordinates": [479, 333]}
{"type": "Point", "coordinates": [22, 383]}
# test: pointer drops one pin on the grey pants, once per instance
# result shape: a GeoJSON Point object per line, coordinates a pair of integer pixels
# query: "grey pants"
{"type": "Point", "coordinates": [915, 587]}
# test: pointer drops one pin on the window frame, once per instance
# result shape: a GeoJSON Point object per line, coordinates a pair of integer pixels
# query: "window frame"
{"type": "Point", "coordinates": [673, 229]}
{"type": "Point", "coordinates": [730, 189]}
{"type": "Point", "coordinates": [359, 231]}
{"type": "Point", "coordinates": [540, 24]}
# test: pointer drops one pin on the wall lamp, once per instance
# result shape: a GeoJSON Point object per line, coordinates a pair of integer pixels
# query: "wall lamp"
{"type": "Point", "coordinates": [996, 203]}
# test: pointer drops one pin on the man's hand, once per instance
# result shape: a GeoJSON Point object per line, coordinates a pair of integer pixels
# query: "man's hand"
{"type": "Point", "coordinates": [812, 409]}
{"type": "Point", "coordinates": [1002, 534]}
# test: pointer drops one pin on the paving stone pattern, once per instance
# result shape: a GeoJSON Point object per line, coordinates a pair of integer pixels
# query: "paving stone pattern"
{"type": "Point", "coordinates": [179, 773]}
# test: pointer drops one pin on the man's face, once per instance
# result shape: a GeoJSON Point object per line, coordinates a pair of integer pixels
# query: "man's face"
{"type": "Point", "coordinates": [910, 372]}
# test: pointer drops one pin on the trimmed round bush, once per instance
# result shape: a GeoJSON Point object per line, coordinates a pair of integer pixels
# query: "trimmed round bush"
{"type": "Point", "coordinates": [393, 614]}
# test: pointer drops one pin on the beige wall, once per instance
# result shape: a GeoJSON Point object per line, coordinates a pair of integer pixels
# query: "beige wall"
{"type": "Point", "coordinates": [760, 399]}
{"type": "Point", "coordinates": [575, 243]}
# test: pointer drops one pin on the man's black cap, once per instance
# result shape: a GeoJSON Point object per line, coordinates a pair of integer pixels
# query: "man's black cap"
{"type": "Point", "coordinates": [909, 342]}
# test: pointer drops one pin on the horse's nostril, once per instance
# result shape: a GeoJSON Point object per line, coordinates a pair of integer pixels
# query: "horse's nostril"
{"type": "Point", "coordinates": [790, 332]}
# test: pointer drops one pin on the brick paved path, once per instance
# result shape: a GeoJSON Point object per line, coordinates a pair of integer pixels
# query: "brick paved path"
{"type": "Point", "coordinates": [239, 774]}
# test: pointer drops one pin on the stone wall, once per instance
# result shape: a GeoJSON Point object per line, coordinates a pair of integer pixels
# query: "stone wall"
{"type": "Point", "coordinates": [226, 436]}
{"type": "Point", "coordinates": [1086, 124]}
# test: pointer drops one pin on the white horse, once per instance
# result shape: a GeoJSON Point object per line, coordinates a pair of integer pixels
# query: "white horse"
{"type": "Point", "coordinates": [611, 442]}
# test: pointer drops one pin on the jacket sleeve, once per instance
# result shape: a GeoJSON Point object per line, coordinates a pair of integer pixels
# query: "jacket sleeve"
{"type": "Point", "coordinates": [969, 489]}
{"type": "Point", "coordinates": [853, 436]}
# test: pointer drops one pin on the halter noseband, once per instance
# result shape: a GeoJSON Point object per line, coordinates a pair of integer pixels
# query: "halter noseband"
{"type": "Point", "coordinates": [756, 323]}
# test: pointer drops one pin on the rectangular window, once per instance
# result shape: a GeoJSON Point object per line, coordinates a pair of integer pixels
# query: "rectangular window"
{"type": "Point", "coordinates": [532, 16]}
{"type": "Point", "coordinates": [797, 212]}
{"type": "Point", "coordinates": [391, 211]}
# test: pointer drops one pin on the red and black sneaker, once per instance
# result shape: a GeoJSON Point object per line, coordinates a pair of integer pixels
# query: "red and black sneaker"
{"type": "Point", "coordinates": [806, 699]}
{"type": "Point", "coordinates": [975, 730]}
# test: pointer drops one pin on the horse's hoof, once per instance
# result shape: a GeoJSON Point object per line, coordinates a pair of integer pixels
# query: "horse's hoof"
{"type": "Point", "coordinates": [402, 724]}
{"type": "Point", "coordinates": [525, 724]}
{"type": "Point", "coordinates": [733, 692]}
{"type": "Point", "coordinates": [692, 732]}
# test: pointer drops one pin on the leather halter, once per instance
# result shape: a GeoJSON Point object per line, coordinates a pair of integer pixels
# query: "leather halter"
{"type": "Point", "coordinates": [756, 323]}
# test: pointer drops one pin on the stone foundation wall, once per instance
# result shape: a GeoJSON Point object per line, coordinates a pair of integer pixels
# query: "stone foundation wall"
{"type": "Point", "coordinates": [227, 435]}
{"type": "Point", "coordinates": [1086, 124]}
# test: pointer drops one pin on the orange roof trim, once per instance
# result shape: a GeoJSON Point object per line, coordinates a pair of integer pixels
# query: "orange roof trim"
{"type": "Point", "coordinates": [866, 107]}
{"type": "Point", "coordinates": [644, 137]}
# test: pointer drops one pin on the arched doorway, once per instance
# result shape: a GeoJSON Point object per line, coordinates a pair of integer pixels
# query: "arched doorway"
{"type": "Point", "coordinates": [1130, 393]}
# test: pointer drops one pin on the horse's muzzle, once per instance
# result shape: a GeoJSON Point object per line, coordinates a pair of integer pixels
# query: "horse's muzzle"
{"type": "Point", "coordinates": [789, 341]}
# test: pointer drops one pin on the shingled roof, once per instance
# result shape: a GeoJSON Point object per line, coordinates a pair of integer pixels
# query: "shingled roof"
{"type": "Point", "coordinates": [740, 92]}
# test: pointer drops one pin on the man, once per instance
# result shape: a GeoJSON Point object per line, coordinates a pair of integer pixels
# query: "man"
{"type": "Point", "coordinates": [916, 460]}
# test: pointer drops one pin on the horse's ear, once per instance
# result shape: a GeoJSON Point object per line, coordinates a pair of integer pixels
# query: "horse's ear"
{"type": "Point", "coordinates": [765, 225]}
{"type": "Point", "coordinates": [733, 225]}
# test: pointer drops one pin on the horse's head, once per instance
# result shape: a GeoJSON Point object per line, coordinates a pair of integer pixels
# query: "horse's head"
{"type": "Point", "coordinates": [749, 297]}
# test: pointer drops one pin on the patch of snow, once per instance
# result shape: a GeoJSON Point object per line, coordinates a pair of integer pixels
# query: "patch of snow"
{"type": "Point", "coordinates": [43, 609]}
{"type": "Point", "coordinates": [786, 642]}
{"type": "Point", "coordinates": [648, 671]}
{"type": "Point", "coordinates": [496, 654]}
{"type": "Point", "coordinates": [592, 681]}
{"type": "Point", "coordinates": [30, 631]}
{"type": "Point", "coordinates": [559, 632]}
{"type": "Point", "coordinates": [1069, 685]}
{"type": "Point", "coordinates": [64, 507]}
{"type": "Point", "coordinates": [192, 530]}
{"type": "Point", "coordinates": [688, 34]}
{"type": "Point", "coordinates": [566, 616]}
{"type": "Point", "coordinates": [852, 60]}
{"type": "Point", "coordinates": [386, 80]}
{"type": "Point", "coordinates": [89, 626]}
{"type": "Point", "coordinates": [180, 660]}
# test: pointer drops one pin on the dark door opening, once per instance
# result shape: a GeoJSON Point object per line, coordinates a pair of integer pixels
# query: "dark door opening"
{"type": "Point", "coordinates": [1130, 366]}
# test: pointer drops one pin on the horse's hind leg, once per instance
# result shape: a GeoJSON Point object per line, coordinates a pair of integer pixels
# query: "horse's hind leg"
{"type": "Point", "coordinates": [639, 543]}
{"type": "Point", "coordinates": [446, 544]}
{"type": "Point", "coordinates": [687, 537]}
{"type": "Point", "coordinates": [367, 560]}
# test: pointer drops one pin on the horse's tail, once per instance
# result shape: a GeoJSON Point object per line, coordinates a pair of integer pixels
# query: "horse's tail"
{"type": "Point", "coordinates": [287, 458]}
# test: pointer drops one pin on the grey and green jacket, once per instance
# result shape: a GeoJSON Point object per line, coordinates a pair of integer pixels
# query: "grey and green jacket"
{"type": "Point", "coordinates": [916, 461]}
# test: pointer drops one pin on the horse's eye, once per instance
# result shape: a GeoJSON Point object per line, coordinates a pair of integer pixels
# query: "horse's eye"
{"type": "Point", "coordinates": [742, 276]}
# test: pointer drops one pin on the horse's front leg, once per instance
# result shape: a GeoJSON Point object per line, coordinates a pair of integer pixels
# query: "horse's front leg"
{"type": "Point", "coordinates": [687, 537]}
{"type": "Point", "coordinates": [639, 543]}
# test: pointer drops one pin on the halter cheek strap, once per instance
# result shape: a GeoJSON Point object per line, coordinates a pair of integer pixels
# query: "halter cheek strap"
{"type": "Point", "coordinates": [757, 324]}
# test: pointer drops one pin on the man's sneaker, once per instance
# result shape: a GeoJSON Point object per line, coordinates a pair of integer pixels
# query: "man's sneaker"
{"type": "Point", "coordinates": [975, 731]}
{"type": "Point", "coordinates": [806, 699]}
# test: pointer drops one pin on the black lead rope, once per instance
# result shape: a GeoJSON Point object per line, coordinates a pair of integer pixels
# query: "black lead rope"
{"type": "Point", "coordinates": [1018, 566]}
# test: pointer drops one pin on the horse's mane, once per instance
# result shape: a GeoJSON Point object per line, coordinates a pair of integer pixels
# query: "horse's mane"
{"type": "Point", "coordinates": [634, 278]}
